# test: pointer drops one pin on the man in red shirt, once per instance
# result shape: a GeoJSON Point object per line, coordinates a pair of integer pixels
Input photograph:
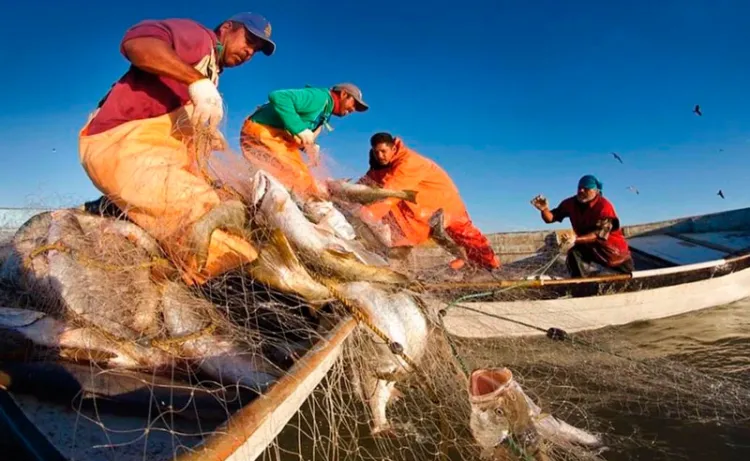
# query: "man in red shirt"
{"type": "Point", "coordinates": [439, 213]}
{"type": "Point", "coordinates": [142, 147]}
{"type": "Point", "coordinates": [597, 236]}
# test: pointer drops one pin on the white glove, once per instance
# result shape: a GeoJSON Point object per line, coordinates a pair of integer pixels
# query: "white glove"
{"type": "Point", "coordinates": [209, 107]}
{"type": "Point", "coordinates": [306, 137]}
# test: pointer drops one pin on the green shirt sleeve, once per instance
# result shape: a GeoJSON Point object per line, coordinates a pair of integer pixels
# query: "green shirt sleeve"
{"type": "Point", "coordinates": [288, 104]}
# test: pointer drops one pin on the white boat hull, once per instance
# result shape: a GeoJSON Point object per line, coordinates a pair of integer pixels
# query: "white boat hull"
{"type": "Point", "coordinates": [481, 319]}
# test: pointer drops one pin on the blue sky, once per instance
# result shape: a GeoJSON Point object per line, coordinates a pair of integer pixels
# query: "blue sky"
{"type": "Point", "coordinates": [512, 98]}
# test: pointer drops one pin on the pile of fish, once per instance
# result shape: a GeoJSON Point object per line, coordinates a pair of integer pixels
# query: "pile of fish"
{"type": "Point", "coordinates": [97, 286]}
{"type": "Point", "coordinates": [93, 290]}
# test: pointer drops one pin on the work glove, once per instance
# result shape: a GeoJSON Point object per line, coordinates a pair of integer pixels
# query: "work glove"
{"type": "Point", "coordinates": [209, 107]}
{"type": "Point", "coordinates": [306, 137]}
{"type": "Point", "coordinates": [566, 239]}
{"type": "Point", "coordinates": [540, 203]}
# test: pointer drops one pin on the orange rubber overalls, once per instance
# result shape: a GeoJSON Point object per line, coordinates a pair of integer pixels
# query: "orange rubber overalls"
{"type": "Point", "coordinates": [409, 222]}
{"type": "Point", "coordinates": [149, 170]}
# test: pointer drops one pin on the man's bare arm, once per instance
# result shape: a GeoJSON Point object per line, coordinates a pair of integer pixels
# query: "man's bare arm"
{"type": "Point", "coordinates": [604, 228]}
{"type": "Point", "coordinates": [547, 216]}
{"type": "Point", "coordinates": [157, 57]}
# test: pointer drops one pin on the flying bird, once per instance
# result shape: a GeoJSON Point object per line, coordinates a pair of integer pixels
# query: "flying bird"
{"type": "Point", "coordinates": [633, 189]}
{"type": "Point", "coordinates": [617, 157]}
{"type": "Point", "coordinates": [697, 110]}
{"type": "Point", "coordinates": [720, 194]}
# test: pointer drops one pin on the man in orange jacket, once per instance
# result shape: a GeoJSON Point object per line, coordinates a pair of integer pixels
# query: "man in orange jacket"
{"type": "Point", "coordinates": [438, 208]}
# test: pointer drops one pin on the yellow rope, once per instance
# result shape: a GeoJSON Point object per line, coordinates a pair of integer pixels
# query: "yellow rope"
{"type": "Point", "coordinates": [361, 316]}
{"type": "Point", "coordinates": [58, 246]}
{"type": "Point", "coordinates": [167, 343]}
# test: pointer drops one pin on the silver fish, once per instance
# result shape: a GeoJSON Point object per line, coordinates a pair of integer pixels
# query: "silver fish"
{"type": "Point", "coordinates": [400, 317]}
{"type": "Point", "coordinates": [319, 249]}
{"type": "Point", "coordinates": [279, 268]}
{"type": "Point", "coordinates": [80, 265]}
{"type": "Point", "coordinates": [501, 409]}
{"type": "Point", "coordinates": [362, 194]}
{"type": "Point", "coordinates": [185, 316]}
{"type": "Point", "coordinates": [94, 293]}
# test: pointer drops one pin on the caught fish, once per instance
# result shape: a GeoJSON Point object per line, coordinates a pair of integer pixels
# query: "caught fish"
{"type": "Point", "coordinates": [77, 264]}
{"type": "Point", "coordinates": [501, 409]}
{"type": "Point", "coordinates": [279, 268]}
{"type": "Point", "coordinates": [318, 249]}
{"type": "Point", "coordinates": [400, 317]}
{"type": "Point", "coordinates": [46, 330]}
{"type": "Point", "coordinates": [362, 194]}
{"type": "Point", "coordinates": [185, 318]}
{"type": "Point", "coordinates": [376, 237]}
{"type": "Point", "coordinates": [95, 294]}
{"type": "Point", "coordinates": [441, 237]}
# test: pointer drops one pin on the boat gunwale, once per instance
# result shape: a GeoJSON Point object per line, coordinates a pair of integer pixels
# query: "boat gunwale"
{"type": "Point", "coordinates": [599, 285]}
{"type": "Point", "coordinates": [251, 418]}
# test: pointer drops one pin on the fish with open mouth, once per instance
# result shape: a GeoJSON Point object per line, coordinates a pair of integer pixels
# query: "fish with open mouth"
{"type": "Point", "coordinates": [507, 424]}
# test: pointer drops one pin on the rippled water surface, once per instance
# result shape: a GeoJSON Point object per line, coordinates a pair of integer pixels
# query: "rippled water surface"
{"type": "Point", "coordinates": [676, 388]}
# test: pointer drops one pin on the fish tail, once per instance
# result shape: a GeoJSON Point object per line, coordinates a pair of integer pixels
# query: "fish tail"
{"type": "Point", "coordinates": [347, 266]}
{"type": "Point", "coordinates": [281, 243]}
{"type": "Point", "coordinates": [411, 196]}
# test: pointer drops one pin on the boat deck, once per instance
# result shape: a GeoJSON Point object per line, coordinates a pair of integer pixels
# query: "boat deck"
{"type": "Point", "coordinates": [668, 250]}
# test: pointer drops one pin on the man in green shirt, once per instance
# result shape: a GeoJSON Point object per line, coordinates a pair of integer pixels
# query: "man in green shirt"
{"type": "Point", "coordinates": [275, 135]}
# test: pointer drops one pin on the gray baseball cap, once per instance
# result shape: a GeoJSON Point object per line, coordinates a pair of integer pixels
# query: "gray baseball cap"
{"type": "Point", "coordinates": [355, 92]}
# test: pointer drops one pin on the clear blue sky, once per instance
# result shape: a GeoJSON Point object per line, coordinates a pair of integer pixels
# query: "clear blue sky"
{"type": "Point", "coordinates": [512, 98]}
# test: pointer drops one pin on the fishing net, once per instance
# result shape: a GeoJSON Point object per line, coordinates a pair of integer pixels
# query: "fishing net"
{"type": "Point", "coordinates": [194, 345]}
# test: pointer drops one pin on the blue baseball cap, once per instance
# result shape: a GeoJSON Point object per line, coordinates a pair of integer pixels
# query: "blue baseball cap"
{"type": "Point", "coordinates": [258, 26]}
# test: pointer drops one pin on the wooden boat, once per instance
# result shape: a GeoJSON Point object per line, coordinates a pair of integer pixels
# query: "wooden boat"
{"type": "Point", "coordinates": [40, 420]}
{"type": "Point", "coordinates": [682, 265]}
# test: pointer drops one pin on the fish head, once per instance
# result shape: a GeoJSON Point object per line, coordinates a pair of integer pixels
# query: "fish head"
{"type": "Point", "coordinates": [498, 409]}
{"type": "Point", "coordinates": [259, 186]}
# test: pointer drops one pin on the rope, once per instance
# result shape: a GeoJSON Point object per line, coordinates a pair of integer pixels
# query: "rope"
{"type": "Point", "coordinates": [361, 316]}
{"type": "Point", "coordinates": [166, 344]}
{"type": "Point", "coordinates": [58, 246]}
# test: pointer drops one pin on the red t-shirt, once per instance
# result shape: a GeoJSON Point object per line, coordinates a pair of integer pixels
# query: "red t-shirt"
{"type": "Point", "coordinates": [139, 94]}
{"type": "Point", "coordinates": [584, 218]}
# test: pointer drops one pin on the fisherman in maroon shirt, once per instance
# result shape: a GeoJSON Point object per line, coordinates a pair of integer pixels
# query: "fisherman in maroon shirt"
{"type": "Point", "coordinates": [140, 146]}
{"type": "Point", "coordinates": [596, 236]}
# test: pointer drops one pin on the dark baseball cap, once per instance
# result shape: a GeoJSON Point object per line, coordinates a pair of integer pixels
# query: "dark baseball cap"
{"type": "Point", "coordinates": [259, 27]}
{"type": "Point", "coordinates": [355, 92]}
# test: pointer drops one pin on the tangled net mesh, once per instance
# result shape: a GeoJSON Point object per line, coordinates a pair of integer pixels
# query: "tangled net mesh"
{"type": "Point", "coordinates": [600, 382]}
